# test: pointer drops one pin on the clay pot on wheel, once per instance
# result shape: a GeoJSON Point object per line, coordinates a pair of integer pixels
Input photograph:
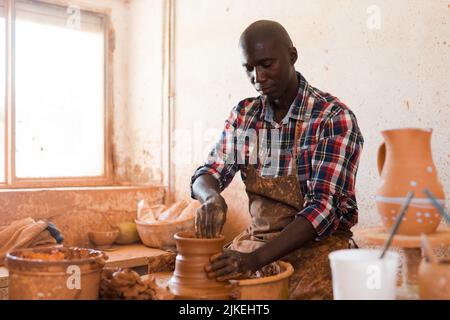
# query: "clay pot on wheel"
{"type": "Point", "coordinates": [189, 280]}
{"type": "Point", "coordinates": [405, 164]}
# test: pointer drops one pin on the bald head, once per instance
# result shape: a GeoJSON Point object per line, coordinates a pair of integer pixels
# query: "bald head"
{"type": "Point", "coordinates": [264, 30]}
{"type": "Point", "coordinates": [268, 57]}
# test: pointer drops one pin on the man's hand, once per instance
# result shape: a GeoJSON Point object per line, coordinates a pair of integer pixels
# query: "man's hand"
{"type": "Point", "coordinates": [230, 265]}
{"type": "Point", "coordinates": [211, 217]}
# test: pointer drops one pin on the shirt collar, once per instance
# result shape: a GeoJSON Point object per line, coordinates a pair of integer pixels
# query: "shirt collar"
{"type": "Point", "coordinates": [297, 110]}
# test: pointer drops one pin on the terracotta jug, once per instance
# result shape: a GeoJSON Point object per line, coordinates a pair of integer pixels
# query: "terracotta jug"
{"type": "Point", "coordinates": [189, 280]}
{"type": "Point", "coordinates": [405, 164]}
{"type": "Point", "coordinates": [434, 280]}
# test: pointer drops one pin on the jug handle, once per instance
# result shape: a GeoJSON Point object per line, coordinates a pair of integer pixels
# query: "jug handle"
{"type": "Point", "coordinates": [381, 157]}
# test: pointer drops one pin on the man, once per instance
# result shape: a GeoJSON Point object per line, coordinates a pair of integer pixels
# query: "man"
{"type": "Point", "coordinates": [301, 187]}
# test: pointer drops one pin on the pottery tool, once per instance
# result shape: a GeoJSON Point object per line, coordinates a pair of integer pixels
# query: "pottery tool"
{"type": "Point", "coordinates": [428, 252]}
{"type": "Point", "coordinates": [55, 233]}
{"type": "Point", "coordinates": [438, 206]}
{"type": "Point", "coordinates": [397, 223]}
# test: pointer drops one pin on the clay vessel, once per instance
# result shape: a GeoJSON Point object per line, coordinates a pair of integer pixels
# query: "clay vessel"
{"type": "Point", "coordinates": [434, 280]}
{"type": "Point", "coordinates": [405, 164]}
{"type": "Point", "coordinates": [65, 273]}
{"type": "Point", "coordinates": [267, 288]}
{"type": "Point", "coordinates": [103, 238]}
{"type": "Point", "coordinates": [189, 280]}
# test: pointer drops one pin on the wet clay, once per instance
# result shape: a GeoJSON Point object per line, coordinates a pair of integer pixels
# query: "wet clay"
{"type": "Point", "coordinates": [269, 270]}
{"type": "Point", "coordinates": [126, 284]}
{"type": "Point", "coordinates": [55, 254]}
{"type": "Point", "coordinates": [271, 284]}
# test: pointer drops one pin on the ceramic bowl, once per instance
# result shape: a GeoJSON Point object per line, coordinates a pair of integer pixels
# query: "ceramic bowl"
{"type": "Point", "coordinates": [103, 238]}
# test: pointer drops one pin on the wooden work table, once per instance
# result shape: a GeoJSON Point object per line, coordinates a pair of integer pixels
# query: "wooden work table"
{"type": "Point", "coordinates": [130, 256]}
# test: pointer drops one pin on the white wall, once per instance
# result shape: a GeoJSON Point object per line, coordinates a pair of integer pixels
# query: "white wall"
{"type": "Point", "coordinates": [137, 87]}
{"type": "Point", "coordinates": [145, 85]}
{"type": "Point", "coordinates": [395, 76]}
{"type": "Point", "coordinates": [120, 15]}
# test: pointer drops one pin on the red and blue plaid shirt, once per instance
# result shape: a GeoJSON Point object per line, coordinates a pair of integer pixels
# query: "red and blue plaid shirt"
{"type": "Point", "coordinates": [328, 151]}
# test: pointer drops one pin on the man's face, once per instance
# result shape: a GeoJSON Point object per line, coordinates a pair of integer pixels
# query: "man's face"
{"type": "Point", "coordinates": [269, 66]}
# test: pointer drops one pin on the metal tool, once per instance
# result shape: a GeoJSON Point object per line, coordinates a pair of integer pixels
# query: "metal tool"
{"type": "Point", "coordinates": [397, 223]}
{"type": "Point", "coordinates": [438, 206]}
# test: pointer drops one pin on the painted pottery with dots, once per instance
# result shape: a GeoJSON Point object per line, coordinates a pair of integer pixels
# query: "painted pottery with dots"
{"type": "Point", "coordinates": [405, 164]}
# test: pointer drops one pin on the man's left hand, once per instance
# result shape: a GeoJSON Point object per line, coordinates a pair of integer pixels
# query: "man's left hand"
{"type": "Point", "coordinates": [230, 265]}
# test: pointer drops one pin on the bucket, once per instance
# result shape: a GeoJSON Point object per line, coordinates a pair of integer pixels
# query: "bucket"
{"type": "Point", "coordinates": [66, 273]}
{"type": "Point", "coordinates": [359, 274]}
{"type": "Point", "coordinates": [267, 288]}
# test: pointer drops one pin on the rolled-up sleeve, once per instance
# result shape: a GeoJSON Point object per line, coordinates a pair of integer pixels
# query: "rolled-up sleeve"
{"type": "Point", "coordinates": [221, 162]}
{"type": "Point", "coordinates": [330, 197]}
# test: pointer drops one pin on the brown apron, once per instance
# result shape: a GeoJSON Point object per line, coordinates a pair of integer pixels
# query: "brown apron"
{"type": "Point", "coordinates": [273, 204]}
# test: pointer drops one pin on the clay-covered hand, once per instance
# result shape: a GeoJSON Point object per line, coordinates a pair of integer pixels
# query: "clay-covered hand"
{"type": "Point", "coordinates": [211, 217]}
{"type": "Point", "coordinates": [230, 265]}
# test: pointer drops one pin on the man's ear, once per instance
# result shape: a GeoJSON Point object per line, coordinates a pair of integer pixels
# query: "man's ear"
{"type": "Point", "coordinates": [293, 55]}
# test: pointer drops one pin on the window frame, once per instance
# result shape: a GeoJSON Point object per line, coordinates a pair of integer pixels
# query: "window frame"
{"type": "Point", "coordinates": [11, 180]}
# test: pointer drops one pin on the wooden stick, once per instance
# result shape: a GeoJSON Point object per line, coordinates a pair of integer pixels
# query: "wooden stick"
{"type": "Point", "coordinates": [397, 222]}
{"type": "Point", "coordinates": [438, 206]}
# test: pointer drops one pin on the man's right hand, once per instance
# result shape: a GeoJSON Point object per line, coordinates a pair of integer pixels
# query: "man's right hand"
{"type": "Point", "coordinates": [211, 217]}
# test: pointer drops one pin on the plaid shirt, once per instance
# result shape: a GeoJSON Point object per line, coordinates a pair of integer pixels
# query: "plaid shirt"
{"type": "Point", "coordinates": [328, 152]}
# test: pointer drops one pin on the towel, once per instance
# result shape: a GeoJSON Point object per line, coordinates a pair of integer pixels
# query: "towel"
{"type": "Point", "coordinates": [24, 233]}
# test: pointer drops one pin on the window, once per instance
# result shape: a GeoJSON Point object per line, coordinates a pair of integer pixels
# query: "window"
{"type": "Point", "coordinates": [59, 108]}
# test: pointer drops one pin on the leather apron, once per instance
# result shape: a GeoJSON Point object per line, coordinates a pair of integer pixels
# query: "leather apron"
{"type": "Point", "coordinates": [274, 203]}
